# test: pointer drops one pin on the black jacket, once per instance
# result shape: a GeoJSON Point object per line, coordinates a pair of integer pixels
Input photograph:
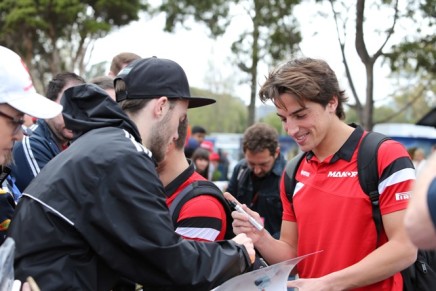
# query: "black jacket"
{"type": "Point", "coordinates": [97, 212]}
{"type": "Point", "coordinates": [268, 203]}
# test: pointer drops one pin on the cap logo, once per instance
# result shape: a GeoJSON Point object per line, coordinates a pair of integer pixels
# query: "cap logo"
{"type": "Point", "coordinates": [30, 86]}
{"type": "Point", "coordinates": [126, 70]}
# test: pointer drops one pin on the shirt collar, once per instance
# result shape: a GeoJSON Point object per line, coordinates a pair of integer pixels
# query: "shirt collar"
{"type": "Point", "coordinates": [171, 188]}
{"type": "Point", "coordinates": [348, 148]}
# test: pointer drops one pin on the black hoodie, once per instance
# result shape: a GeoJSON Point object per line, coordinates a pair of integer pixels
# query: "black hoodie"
{"type": "Point", "coordinates": [97, 212]}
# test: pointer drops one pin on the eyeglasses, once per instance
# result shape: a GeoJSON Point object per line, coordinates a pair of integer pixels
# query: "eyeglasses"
{"type": "Point", "coordinates": [16, 121]}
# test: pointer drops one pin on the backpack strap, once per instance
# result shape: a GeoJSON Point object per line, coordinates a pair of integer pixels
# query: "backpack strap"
{"type": "Point", "coordinates": [198, 188]}
{"type": "Point", "coordinates": [289, 176]}
{"type": "Point", "coordinates": [367, 171]}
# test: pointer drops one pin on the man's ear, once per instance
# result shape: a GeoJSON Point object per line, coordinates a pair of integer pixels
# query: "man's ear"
{"type": "Point", "coordinates": [333, 104]}
{"type": "Point", "coordinates": [276, 154]}
{"type": "Point", "coordinates": [161, 106]}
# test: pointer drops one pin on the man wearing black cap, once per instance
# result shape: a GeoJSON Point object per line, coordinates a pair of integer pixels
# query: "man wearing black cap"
{"type": "Point", "coordinates": [97, 211]}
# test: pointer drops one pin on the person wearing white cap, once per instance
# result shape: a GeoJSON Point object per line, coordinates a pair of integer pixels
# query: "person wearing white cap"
{"type": "Point", "coordinates": [17, 97]}
{"type": "Point", "coordinates": [49, 137]}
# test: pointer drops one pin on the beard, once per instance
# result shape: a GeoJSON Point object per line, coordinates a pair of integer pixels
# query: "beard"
{"type": "Point", "coordinates": [160, 139]}
{"type": "Point", "coordinates": [7, 159]}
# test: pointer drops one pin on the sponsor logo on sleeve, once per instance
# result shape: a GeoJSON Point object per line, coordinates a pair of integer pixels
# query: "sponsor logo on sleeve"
{"type": "Point", "coordinates": [402, 196]}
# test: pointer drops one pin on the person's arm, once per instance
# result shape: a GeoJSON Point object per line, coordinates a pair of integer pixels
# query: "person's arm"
{"type": "Point", "coordinates": [202, 218]}
{"type": "Point", "coordinates": [272, 250]}
{"type": "Point", "coordinates": [419, 221]}
{"type": "Point", "coordinates": [30, 155]}
{"type": "Point", "coordinates": [395, 255]}
{"type": "Point", "coordinates": [278, 250]}
{"type": "Point", "coordinates": [134, 226]}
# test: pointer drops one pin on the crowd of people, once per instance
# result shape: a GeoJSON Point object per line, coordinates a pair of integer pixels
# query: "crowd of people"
{"type": "Point", "coordinates": [87, 195]}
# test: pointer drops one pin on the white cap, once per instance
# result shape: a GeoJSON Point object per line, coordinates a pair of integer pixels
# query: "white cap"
{"type": "Point", "coordinates": [16, 88]}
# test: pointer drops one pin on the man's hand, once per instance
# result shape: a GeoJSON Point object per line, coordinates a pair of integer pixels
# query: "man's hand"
{"type": "Point", "coordinates": [244, 240]}
{"type": "Point", "coordinates": [316, 284]}
{"type": "Point", "coordinates": [241, 223]}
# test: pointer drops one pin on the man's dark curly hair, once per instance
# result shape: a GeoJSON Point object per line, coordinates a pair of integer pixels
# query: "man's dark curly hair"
{"type": "Point", "coordinates": [260, 136]}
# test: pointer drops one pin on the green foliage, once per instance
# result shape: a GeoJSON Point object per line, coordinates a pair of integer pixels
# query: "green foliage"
{"type": "Point", "coordinates": [53, 35]}
{"type": "Point", "coordinates": [411, 104]}
{"type": "Point", "coordinates": [213, 13]}
{"type": "Point", "coordinates": [407, 107]}
{"type": "Point", "coordinates": [419, 55]}
{"type": "Point", "coordinates": [273, 120]}
{"type": "Point", "coordinates": [417, 51]}
{"type": "Point", "coordinates": [273, 36]}
{"type": "Point", "coordinates": [351, 115]}
{"type": "Point", "coordinates": [228, 114]}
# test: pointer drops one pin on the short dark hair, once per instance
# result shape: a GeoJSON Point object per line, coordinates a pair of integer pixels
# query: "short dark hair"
{"type": "Point", "coordinates": [121, 60]}
{"type": "Point", "coordinates": [305, 79]}
{"type": "Point", "coordinates": [59, 81]}
{"type": "Point", "coordinates": [198, 129]}
{"type": "Point", "coordinates": [132, 106]}
{"type": "Point", "coordinates": [260, 136]}
{"type": "Point", "coordinates": [200, 153]}
{"type": "Point", "coordinates": [104, 82]}
{"type": "Point", "coordinates": [183, 132]}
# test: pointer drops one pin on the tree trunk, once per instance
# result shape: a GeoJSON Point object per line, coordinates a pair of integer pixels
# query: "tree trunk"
{"type": "Point", "coordinates": [254, 63]}
{"type": "Point", "coordinates": [369, 104]}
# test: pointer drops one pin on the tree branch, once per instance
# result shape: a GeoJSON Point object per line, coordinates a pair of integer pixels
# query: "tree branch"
{"type": "Point", "coordinates": [344, 59]}
{"type": "Point", "coordinates": [405, 107]}
{"type": "Point", "coordinates": [360, 42]}
{"type": "Point", "coordinates": [390, 32]}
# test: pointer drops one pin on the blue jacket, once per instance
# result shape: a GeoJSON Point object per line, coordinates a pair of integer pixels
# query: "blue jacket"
{"type": "Point", "coordinates": [33, 153]}
{"type": "Point", "coordinates": [9, 195]}
{"type": "Point", "coordinates": [268, 203]}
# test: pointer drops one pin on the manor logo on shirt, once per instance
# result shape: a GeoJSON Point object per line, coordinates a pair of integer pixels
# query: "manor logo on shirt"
{"type": "Point", "coordinates": [342, 174]}
{"type": "Point", "coordinates": [402, 196]}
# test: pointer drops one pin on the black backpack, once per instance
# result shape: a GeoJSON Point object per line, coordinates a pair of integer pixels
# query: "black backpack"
{"type": "Point", "coordinates": [197, 188]}
{"type": "Point", "coordinates": [421, 275]}
{"type": "Point", "coordinates": [203, 187]}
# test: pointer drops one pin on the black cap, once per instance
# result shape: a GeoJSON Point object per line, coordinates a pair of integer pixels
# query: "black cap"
{"type": "Point", "coordinates": [154, 77]}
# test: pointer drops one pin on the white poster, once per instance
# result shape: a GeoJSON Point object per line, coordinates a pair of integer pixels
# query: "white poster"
{"type": "Point", "coordinates": [271, 278]}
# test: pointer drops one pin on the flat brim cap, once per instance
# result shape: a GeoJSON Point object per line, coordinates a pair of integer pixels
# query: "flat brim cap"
{"type": "Point", "coordinates": [16, 88]}
{"type": "Point", "coordinates": [154, 77]}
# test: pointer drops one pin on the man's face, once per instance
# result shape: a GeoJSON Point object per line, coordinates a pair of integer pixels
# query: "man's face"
{"type": "Point", "coordinates": [199, 137]}
{"type": "Point", "coordinates": [166, 130]}
{"type": "Point", "coordinates": [57, 124]}
{"type": "Point", "coordinates": [10, 131]}
{"type": "Point", "coordinates": [201, 164]}
{"type": "Point", "coordinates": [260, 163]}
{"type": "Point", "coordinates": [307, 125]}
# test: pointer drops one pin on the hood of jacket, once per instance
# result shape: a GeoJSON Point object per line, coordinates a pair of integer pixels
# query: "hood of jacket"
{"type": "Point", "coordinates": [88, 107]}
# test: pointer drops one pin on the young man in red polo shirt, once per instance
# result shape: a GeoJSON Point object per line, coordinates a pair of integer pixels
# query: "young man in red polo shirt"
{"type": "Point", "coordinates": [330, 211]}
{"type": "Point", "coordinates": [201, 218]}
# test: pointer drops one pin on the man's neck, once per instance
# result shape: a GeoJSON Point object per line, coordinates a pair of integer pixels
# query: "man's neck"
{"type": "Point", "coordinates": [333, 141]}
{"type": "Point", "coordinates": [174, 164]}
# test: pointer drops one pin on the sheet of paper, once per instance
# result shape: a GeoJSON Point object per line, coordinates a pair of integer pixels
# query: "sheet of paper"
{"type": "Point", "coordinates": [271, 278]}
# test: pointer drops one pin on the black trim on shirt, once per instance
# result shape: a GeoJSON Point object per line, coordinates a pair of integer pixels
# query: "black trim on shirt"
{"type": "Point", "coordinates": [171, 188]}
